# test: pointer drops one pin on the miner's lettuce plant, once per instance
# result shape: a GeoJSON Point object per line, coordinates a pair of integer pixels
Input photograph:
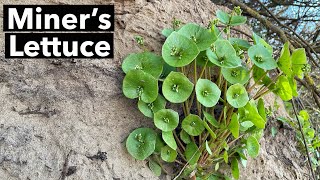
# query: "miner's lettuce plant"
{"type": "Point", "coordinates": [214, 83]}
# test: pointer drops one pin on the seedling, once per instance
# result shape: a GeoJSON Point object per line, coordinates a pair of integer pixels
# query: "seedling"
{"type": "Point", "coordinates": [207, 76]}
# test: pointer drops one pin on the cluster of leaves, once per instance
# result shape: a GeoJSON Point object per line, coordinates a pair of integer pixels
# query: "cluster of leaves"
{"type": "Point", "coordinates": [207, 77]}
{"type": "Point", "coordinates": [310, 134]}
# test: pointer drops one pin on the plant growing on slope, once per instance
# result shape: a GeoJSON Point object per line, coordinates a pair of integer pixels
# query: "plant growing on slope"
{"type": "Point", "coordinates": [209, 77]}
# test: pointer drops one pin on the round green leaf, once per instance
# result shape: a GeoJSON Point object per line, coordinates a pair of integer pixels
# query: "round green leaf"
{"type": "Point", "coordinates": [141, 143]}
{"type": "Point", "coordinates": [236, 75]}
{"type": "Point", "coordinates": [177, 87]}
{"type": "Point", "coordinates": [237, 95]}
{"type": "Point", "coordinates": [166, 119]}
{"type": "Point", "coordinates": [168, 154]}
{"type": "Point", "coordinates": [203, 60]}
{"type": "Point", "coordinates": [179, 50]}
{"type": "Point", "coordinates": [192, 124]}
{"type": "Point", "coordinates": [223, 54]}
{"type": "Point", "coordinates": [253, 146]}
{"type": "Point", "coordinates": [146, 61]}
{"type": "Point", "coordinates": [137, 83]}
{"type": "Point", "coordinates": [148, 109]}
{"type": "Point", "coordinates": [169, 139]}
{"type": "Point", "coordinates": [261, 57]}
{"type": "Point", "coordinates": [208, 93]}
{"type": "Point", "coordinates": [192, 153]}
{"type": "Point", "coordinates": [201, 36]}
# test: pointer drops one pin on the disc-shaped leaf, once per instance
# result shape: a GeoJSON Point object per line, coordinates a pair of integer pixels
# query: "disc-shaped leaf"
{"type": "Point", "coordinates": [146, 61]}
{"type": "Point", "coordinates": [177, 87]}
{"type": "Point", "coordinates": [201, 36]}
{"type": "Point", "coordinates": [250, 113]}
{"type": "Point", "coordinates": [192, 153]}
{"type": "Point", "coordinates": [168, 154]}
{"type": "Point", "coordinates": [283, 88]}
{"type": "Point", "coordinates": [192, 124]}
{"type": "Point", "coordinates": [179, 50]}
{"type": "Point", "coordinates": [234, 126]}
{"type": "Point", "coordinates": [261, 57]}
{"type": "Point", "coordinates": [284, 62]}
{"type": "Point", "coordinates": [224, 54]}
{"type": "Point", "coordinates": [211, 119]}
{"type": "Point", "coordinates": [253, 146]}
{"type": "Point", "coordinates": [237, 95]}
{"type": "Point", "coordinates": [208, 93]}
{"type": "Point", "coordinates": [203, 60]}
{"type": "Point", "coordinates": [154, 167]}
{"type": "Point", "coordinates": [169, 139]}
{"type": "Point", "coordinates": [299, 61]}
{"type": "Point", "coordinates": [166, 119]}
{"type": "Point", "coordinates": [258, 40]}
{"type": "Point", "coordinates": [236, 75]}
{"type": "Point", "coordinates": [141, 143]}
{"type": "Point", "coordinates": [137, 83]}
{"type": "Point", "coordinates": [241, 43]}
{"type": "Point", "coordinates": [148, 109]}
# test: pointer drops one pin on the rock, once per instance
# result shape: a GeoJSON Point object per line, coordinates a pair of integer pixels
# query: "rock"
{"type": "Point", "coordinates": [50, 108]}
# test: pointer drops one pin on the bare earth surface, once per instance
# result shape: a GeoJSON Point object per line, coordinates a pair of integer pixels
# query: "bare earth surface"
{"type": "Point", "coordinates": [69, 118]}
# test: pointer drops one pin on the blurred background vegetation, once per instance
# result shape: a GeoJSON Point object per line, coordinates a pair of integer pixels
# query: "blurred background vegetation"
{"type": "Point", "coordinates": [296, 21]}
